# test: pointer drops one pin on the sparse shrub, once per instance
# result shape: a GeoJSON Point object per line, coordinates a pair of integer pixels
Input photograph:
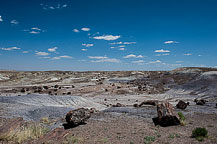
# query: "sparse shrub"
{"type": "Point", "coordinates": [182, 118]}
{"type": "Point", "coordinates": [44, 120]}
{"type": "Point", "coordinates": [199, 133]}
{"type": "Point", "coordinates": [149, 139]}
{"type": "Point", "coordinates": [25, 133]}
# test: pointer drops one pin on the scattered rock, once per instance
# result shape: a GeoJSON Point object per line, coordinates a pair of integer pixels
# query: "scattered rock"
{"type": "Point", "coordinates": [182, 105]}
{"type": "Point", "coordinates": [22, 90]}
{"type": "Point", "coordinates": [56, 86]}
{"type": "Point", "coordinates": [77, 117]}
{"type": "Point", "coordinates": [200, 101]}
{"type": "Point", "coordinates": [166, 115]}
{"type": "Point", "coordinates": [149, 102]}
{"type": "Point", "coordinates": [69, 93]}
{"type": "Point", "coordinates": [118, 105]}
{"type": "Point", "coordinates": [45, 87]}
{"type": "Point", "coordinates": [135, 105]}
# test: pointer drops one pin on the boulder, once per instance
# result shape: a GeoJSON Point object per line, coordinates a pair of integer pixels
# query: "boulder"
{"type": "Point", "coordinates": [182, 105]}
{"type": "Point", "coordinates": [166, 115]}
{"type": "Point", "coordinates": [118, 105]}
{"type": "Point", "coordinates": [149, 102]}
{"type": "Point", "coordinates": [200, 101]}
{"type": "Point", "coordinates": [78, 116]}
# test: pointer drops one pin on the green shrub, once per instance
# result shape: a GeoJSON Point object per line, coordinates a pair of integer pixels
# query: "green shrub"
{"type": "Point", "coordinates": [149, 139]}
{"type": "Point", "coordinates": [199, 133]}
{"type": "Point", "coordinates": [182, 118]}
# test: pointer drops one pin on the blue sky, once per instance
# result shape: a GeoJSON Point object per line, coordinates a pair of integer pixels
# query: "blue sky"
{"type": "Point", "coordinates": [107, 34]}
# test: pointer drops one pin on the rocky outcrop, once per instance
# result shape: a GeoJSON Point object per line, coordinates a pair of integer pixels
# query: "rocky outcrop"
{"type": "Point", "coordinates": [118, 105]}
{"type": "Point", "coordinates": [77, 117]}
{"type": "Point", "coordinates": [182, 105]}
{"type": "Point", "coordinates": [166, 115]}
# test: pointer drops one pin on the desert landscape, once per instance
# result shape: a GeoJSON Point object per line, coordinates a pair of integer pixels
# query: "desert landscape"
{"type": "Point", "coordinates": [107, 106]}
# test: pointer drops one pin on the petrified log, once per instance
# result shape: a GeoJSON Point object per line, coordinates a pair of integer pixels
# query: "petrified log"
{"type": "Point", "coordinates": [118, 105]}
{"type": "Point", "coordinates": [78, 116]}
{"type": "Point", "coordinates": [200, 101]}
{"type": "Point", "coordinates": [149, 102]}
{"type": "Point", "coordinates": [166, 115]}
{"type": "Point", "coordinates": [182, 105]}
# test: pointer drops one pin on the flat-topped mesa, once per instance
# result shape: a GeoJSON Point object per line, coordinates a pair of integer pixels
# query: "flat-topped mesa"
{"type": "Point", "coordinates": [166, 115]}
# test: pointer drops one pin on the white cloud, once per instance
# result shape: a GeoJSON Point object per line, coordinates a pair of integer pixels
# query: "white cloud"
{"type": "Point", "coordinates": [133, 56]}
{"type": "Point", "coordinates": [58, 6]}
{"type": "Point", "coordinates": [139, 61]}
{"type": "Point", "coordinates": [1, 20]}
{"type": "Point", "coordinates": [87, 45]}
{"type": "Point", "coordinates": [122, 49]}
{"type": "Point", "coordinates": [112, 60]}
{"type": "Point", "coordinates": [166, 54]}
{"type": "Point", "coordinates": [179, 61]}
{"type": "Point", "coordinates": [112, 47]}
{"type": "Point", "coordinates": [84, 49]}
{"type": "Point", "coordinates": [34, 32]}
{"type": "Point", "coordinates": [41, 53]}
{"type": "Point", "coordinates": [187, 54]}
{"type": "Point", "coordinates": [118, 43]}
{"type": "Point", "coordinates": [25, 52]}
{"type": "Point", "coordinates": [76, 30]}
{"type": "Point", "coordinates": [154, 62]}
{"type": "Point", "coordinates": [122, 46]}
{"type": "Point", "coordinates": [53, 49]}
{"type": "Point", "coordinates": [107, 37]}
{"type": "Point", "coordinates": [14, 22]}
{"type": "Point", "coordinates": [97, 57]}
{"type": "Point", "coordinates": [85, 29]}
{"type": "Point", "coordinates": [60, 57]}
{"type": "Point", "coordinates": [161, 51]}
{"type": "Point", "coordinates": [36, 28]}
{"type": "Point", "coordinates": [170, 42]}
{"type": "Point", "coordinates": [10, 48]}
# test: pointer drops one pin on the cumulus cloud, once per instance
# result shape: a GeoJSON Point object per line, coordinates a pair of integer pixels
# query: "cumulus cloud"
{"type": "Point", "coordinates": [122, 49]}
{"type": "Point", "coordinates": [53, 49]}
{"type": "Point", "coordinates": [34, 30]}
{"type": "Point", "coordinates": [60, 57]}
{"type": "Point", "coordinates": [10, 48]}
{"type": "Point", "coordinates": [122, 46]}
{"type": "Point", "coordinates": [107, 37]}
{"type": "Point", "coordinates": [97, 57]}
{"type": "Point", "coordinates": [49, 7]}
{"type": "Point", "coordinates": [125, 43]}
{"type": "Point", "coordinates": [179, 61]}
{"type": "Point", "coordinates": [170, 42]}
{"type": "Point", "coordinates": [166, 54]}
{"type": "Point", "coordinates": [133, 56]}
{"type": "Point", "coordinates": [187, 54]}
{"type": "Point", "coordinates": [139, 61]}
{"type": "Point", "coordinates": [14, 22]}
{"type": "Point", "coordinates": [112, 60]}
{"type": "Point", "coordinates": [41, 53]}
{"type": "Point", "coordinates": [76, 30]}
{"type": "Point", "coordinates": [84, 49]}
{"type": "Point", "coordinates": [154, 62]}
{"type": "Point", "coordinates": [1, 20]}
{"type": "Point", "coordinates": [25, 52]}
{"type": "Point", "coordinates": [161, 51]}
{"type": "Point", "coordinates": [85, 29]}
{"type": "Point", "coordinates": [87, 45]}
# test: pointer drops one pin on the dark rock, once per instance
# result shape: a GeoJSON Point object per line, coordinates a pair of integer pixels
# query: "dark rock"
{"type": "Point", "coordinates": [166, 115]}
{"type": "Point", "coordinates": [56, 86]}
{"type": "Point", "coordinates": [182, 105]}
{"type": "Point", "coordinates": [45, 87]}
{"type": "Point", "coordinates": [69, 93]}
{"type": "Point", "coordinates": [200, 101]}
{"type": "Point", "coordinates": [149, 102]}
{"type": "Point", "coordinates": [118, 87]}
{"type": "Point", "coordinates": [135, 105]}
{"type": "Point", "coordinates": [22, 90]}
{"type": "Point", "coordinates": [73, 86]}
{"type": "Point", "coordinates": [118, 105]}
{"type": "Point", "coordinates": [78, 116]}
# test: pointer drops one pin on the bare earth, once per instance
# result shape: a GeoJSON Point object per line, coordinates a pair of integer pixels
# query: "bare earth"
{"type": "Point", "coordinates": [42, 99]}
